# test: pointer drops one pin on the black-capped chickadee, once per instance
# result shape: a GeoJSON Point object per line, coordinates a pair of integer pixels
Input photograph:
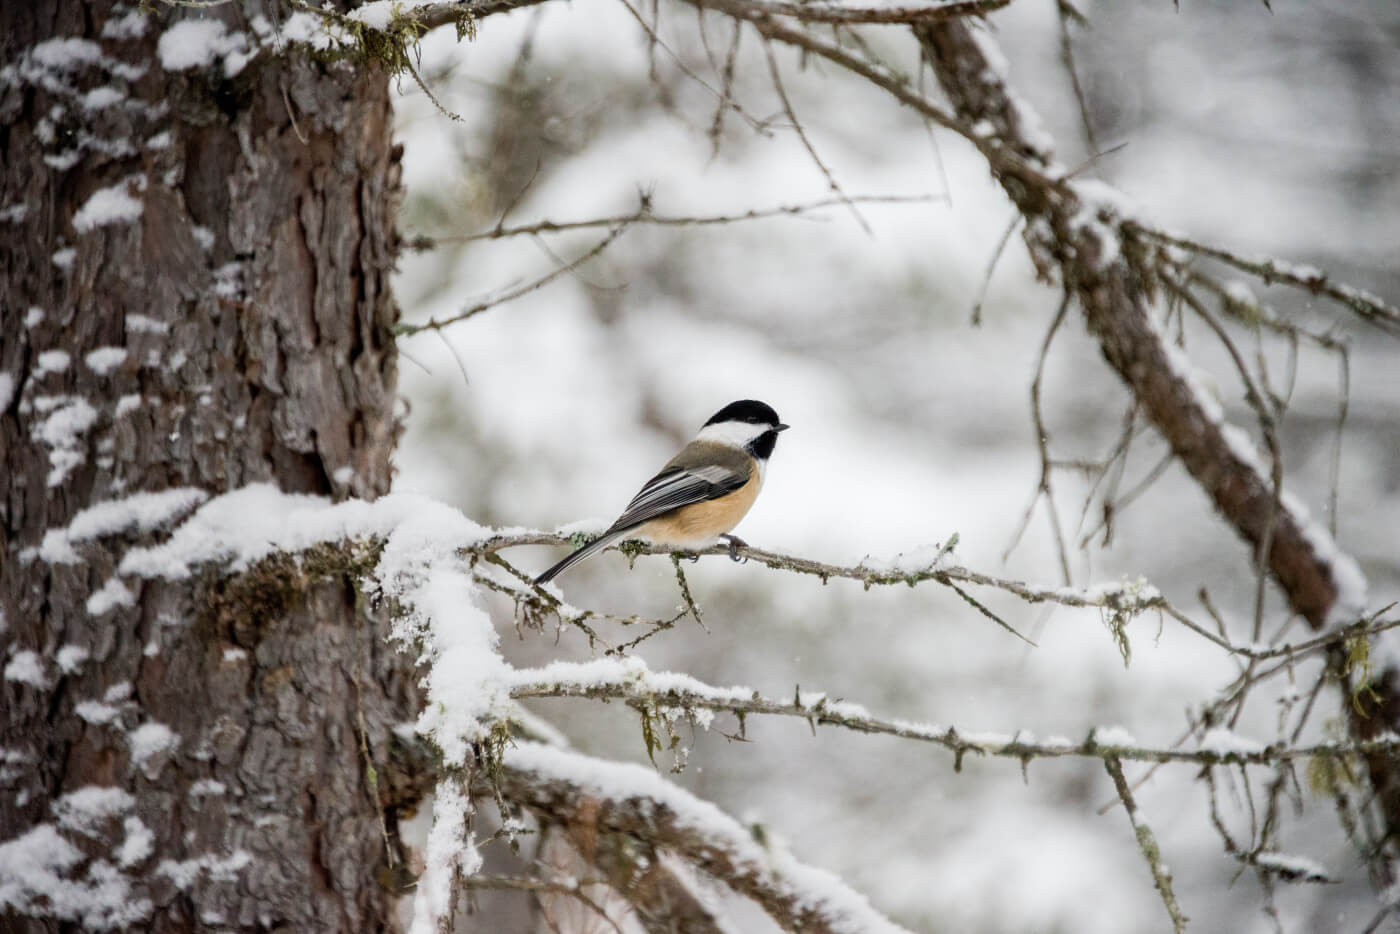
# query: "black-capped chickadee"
{"type": "Point", "coordinates": [703, 491]}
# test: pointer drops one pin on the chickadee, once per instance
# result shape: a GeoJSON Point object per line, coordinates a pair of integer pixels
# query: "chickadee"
{"type": "Point", "coordinates": [703, 491]}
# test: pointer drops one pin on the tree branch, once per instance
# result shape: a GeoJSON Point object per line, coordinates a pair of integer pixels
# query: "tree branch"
{"type": "Point", "coordinates": [1161, 878]}
{"type": "Point", "coordinates": [644, 690]}
{"type": "Point", "coordinates": [1124, 600]}
{"type": "Point", "coordinates": [598, 797]}
{"type": "Point", "coordinates": [644, 215]}
{"type": "Point", "coordinates": [1082, 237]}
{"type": "Point", "coordinates": [1371, 308]}
{"type": "Point", "coordinates": [850, 14]}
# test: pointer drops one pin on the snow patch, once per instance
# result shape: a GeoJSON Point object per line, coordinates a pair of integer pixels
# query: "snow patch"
{"type": "Point", "coordinates": [184, 873]}
{"type": "Point", "coordinates": [131, 26]}
{"type": "Point", "coordinates": [1114, 736]}
{"type": "Point", "coordinates": [1299, 868]}
{"type": "Point", "coordinates": [51, 361]}
{"type": "Point", "coordinates": [144, 512]}
{"type": "Point", "coordinates": [141, 324]}
{"type": "Point", "coordinates": [151, 743]}
{"type": "Point", "coordinates": [207, 788]}
{"type": "Point", "coordinates": [70, 658]}
{"type": "Point", "coordinates": [138, 845]}
{"type": "Point", "coordinates": [922, 560]}
{"type": "Point", "coordinates": [1224, 742]}
{"type": "Point", "coordinates": [27, 667]}
{"type": "Point", "coordinates": [86, 810]}
{"type": "Point", "coordinates": [112, 595]}
{"type": "Point", "coordinates": [449, 852]}
{"type": "Point", "coordinates": [104, 360]}
{"type": "Point", "coordinates": [96, 712]}
{"type": "Point", "coordinates": [106, 206]}
{"type": "Point", "coordinates": [36, 879]}
{"type": "Point", "coordinates": [102, 98]}
{"type": "Point", "coordinates": [68, 54]}
{"type": "Point", "coordinates": [200, 43]}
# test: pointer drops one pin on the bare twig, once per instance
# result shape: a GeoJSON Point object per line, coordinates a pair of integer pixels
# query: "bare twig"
{"type": "Point", "coordinates": [1161, 878]}
{"type": "Point", "coordinates": [1068, 14]}
{"type": "Point", "coordinates": [831, 182]}
{"type": "Point", "coordinates": [644, 215]}
{"type": "Point", "coordinates": [1044, 487]}
{"type": "Point", "coordinates": [850, 14]}
{"type": "Point", "coordinates": [434, 324]}
{"type": "Point", "coordinates": [999, 249]}
{"type": "Point", "coordinates": [1369, 307]}
{"type": "Point", "coordinates": [640, 691]}
{"type": "Point", "coordinates": [1127, 598]}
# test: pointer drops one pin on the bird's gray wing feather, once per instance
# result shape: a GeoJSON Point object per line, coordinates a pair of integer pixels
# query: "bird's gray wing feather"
{"type": "Point", "coordinates": [678, 486]}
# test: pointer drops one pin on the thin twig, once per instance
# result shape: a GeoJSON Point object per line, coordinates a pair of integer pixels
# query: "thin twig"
{"type": "Point", "coordinates": [1161, 878]}
{"type": "Point", "coordinates": [1130, 598]}
{"type": "Point", "coordinates": [1371, 308]}
{"type": "Point", "coordinates": [850, 14]}
{"type": "Point", "coordinates": [831, 182]}
{"type": "Point", "coordinates": [403, 329]}
{"type": "Point", "coordinates": [991, 268]}
{"type": "Point", "coordinates": [638, 691]}
{"type": "Point", "coordinates": [1042, 439]}
{"type": "Point", "coordinates": [644, 215]}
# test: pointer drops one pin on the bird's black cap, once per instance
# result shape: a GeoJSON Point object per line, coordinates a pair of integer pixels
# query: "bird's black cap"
{"type": "Point", "coordinates": [746, 410]}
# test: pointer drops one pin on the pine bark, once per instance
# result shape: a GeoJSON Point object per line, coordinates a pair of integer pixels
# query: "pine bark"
{"type": "Point", "coordinates": [249, 719]}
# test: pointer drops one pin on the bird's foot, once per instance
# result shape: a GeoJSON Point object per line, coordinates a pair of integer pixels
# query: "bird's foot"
{"type": "Point", "coordinates": [735, 543]}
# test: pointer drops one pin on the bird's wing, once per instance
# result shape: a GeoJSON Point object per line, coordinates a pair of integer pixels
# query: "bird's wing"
{"type": "Point", "coordinates": [678, 486]}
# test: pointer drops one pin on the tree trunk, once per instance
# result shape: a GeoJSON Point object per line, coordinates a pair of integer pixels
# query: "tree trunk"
{"type": "Point", "coordinates": [195, 297]}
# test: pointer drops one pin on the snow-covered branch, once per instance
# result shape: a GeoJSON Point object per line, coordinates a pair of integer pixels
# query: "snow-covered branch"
{"type": "Point", "coordinates": [1078, 232]}
{"type": "Point", "coordinates": [651, 693]}
{"type": "Point", "coordinates": [608, 797]}
{"type": "Point", "coordinates": [936, 11]}
{"type": "Point", "coordinates": [1369, 307]}
{"type": "Point", "coordinates": [1123, 600]}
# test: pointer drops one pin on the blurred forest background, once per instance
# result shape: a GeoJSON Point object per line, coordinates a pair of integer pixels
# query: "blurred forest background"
{"type": "Point", "coordinates": [1274, 132]}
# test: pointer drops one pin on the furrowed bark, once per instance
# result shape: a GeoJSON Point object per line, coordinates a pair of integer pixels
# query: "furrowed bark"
{"type": "Point", "coordinates": [241, 290]}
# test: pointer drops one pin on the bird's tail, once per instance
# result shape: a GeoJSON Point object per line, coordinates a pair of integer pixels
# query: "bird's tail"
{"type": "Point", "coordinates": [597, 544]}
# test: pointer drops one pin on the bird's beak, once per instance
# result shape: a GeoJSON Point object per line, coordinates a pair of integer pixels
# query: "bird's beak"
{"type": "Point", "coordinates": [781, 427]}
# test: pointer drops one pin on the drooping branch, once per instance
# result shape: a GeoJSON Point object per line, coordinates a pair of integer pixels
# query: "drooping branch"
{"type": "Point", "coordinates": [610, 799]}
{"type": "Point", "coordinates": [1084, 242]}
{"type": "Point", "coordinates": [1147, 843]}
{"type": "Point", "coordinates": [659, 894]}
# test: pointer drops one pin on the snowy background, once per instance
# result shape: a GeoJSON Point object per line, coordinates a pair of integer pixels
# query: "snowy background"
{"type": "Point", "coordinates": [1270, 133]}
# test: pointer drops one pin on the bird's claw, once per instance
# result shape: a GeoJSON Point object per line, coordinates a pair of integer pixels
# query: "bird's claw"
{"type": "Point", "coordinates": [735, 543]}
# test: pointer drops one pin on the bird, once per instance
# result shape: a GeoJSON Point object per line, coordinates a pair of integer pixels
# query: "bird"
{"type": "Point", "coordinates": [702, 492]}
